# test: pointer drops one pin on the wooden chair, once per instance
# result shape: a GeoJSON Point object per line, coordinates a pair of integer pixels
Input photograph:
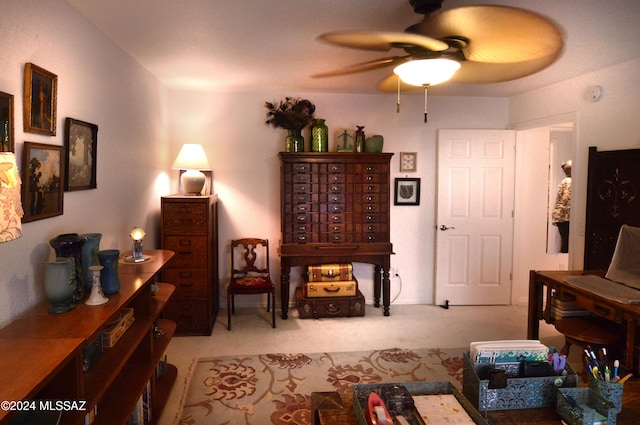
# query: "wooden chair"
{"type": "Point", "coordinates": [593, 331]}
{"type": "Point", "coordinates": [250, 274]}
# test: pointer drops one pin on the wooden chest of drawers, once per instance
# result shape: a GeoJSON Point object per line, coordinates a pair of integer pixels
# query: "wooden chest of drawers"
{"type": "Point", "coordinates": [189, 228]}
{"type": "Point", "coordinates": [335, 207]}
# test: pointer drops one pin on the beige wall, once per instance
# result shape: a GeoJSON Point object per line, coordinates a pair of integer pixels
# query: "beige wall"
{"type": "Point", "coordinates": [98, 83]}
{"type": "Point", "coordinates": [142, 126]}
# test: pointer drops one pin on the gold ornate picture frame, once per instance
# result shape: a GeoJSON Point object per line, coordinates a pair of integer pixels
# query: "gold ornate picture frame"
{"type": "Point", "coordinates": [7, 141]}
{"type": "Point", "coordinates": [40, 100]}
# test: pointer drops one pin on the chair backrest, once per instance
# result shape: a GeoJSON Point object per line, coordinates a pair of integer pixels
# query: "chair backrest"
{"type": "Point", "coordinates": [250, 256]}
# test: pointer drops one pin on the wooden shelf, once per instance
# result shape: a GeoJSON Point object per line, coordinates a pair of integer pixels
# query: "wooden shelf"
{"type": "Point", "coordinates": [42, 353]}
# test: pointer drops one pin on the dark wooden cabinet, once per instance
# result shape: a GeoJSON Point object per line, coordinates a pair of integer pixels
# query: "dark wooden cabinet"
{"type": "Point", "coordinates": [612, 200]}
{"type": "Point", "coordinates": [190, 229]}
{"type": "Point", "coordinates": [335, 208]}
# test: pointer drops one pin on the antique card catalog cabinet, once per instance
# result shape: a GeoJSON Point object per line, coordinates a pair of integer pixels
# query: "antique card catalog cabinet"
{"type": "Point", "coordinates": [335, 208]}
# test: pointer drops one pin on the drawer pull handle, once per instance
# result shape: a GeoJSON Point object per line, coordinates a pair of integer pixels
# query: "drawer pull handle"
{"type": "Point", "coordinates": [186, 275]}
{"type": "Point", "coordinates": [568, 297]}
{"type": "Point", "coordinates": [602, 310]}
{"type": "Point", "coordinates": [370, 218]}
{"type": "Point", "coordinates": [184, 242]}
{"type": "Point", "coordinates": [185, 252]}
{"type": "Point", "coordinates": [371, 188]}
{"type": "Point", "coordinates": [321, 247]}
{"type": "Point", "coordinates": [370, 208]}
{"type": "Point", "coordinates": [370, 198]}
{"type": "Point", "coordinates": [301, 218]}
{"type": "Point", "coordinates": [186, 285]}
{"type": "Point", "coordinates": [336, 228]}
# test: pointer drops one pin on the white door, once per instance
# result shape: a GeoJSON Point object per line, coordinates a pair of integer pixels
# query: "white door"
{"type": "Point", "coordinates": [474, 230]}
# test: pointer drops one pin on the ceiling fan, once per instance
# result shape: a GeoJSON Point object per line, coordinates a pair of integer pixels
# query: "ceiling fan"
{"type": "Point", "coordinates": [475, 44]}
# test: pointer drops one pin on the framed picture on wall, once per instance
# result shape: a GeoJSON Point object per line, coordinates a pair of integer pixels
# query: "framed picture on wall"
{"type": "Point", "coordinates": [42, 181]}
{"type": "Point", "coordinates": [7, 143]}
{"type": "Point", "coordinates": [81, 143]}
{"type": "Point", "coordinates": [407, 191]}
{"type": "Point", "coordinates": [40, 99]}
{"type": "Point", "coordinates": [408, 161]}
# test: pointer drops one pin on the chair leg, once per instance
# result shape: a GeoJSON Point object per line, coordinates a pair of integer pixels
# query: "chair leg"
{"type": "Point", "coordinates": [268, 301]}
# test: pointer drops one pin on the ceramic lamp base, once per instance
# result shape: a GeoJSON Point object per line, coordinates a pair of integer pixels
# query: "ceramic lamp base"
{"type": "Point", "coordinates": [192, 182]}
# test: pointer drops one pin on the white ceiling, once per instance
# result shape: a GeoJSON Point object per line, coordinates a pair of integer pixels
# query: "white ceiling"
{"type": "Point", "coordinates": [254, 45]}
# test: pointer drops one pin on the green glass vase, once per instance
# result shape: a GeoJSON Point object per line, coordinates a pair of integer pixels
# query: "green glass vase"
{"type": "Point", "coordinates": [294, 142]}
{"type": "Point", "coordinates": [319, 136]}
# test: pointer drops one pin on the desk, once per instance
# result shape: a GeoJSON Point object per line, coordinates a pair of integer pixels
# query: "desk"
{"type": "Point", "coordinates": [629, 415]}
{"type": "Point", "coordinates": [543, 284]}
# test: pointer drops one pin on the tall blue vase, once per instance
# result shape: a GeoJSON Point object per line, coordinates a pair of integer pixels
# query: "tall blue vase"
{"type": "Point", "coordinates": [109, 276]}
{"type": "Point", "coordinates": [69, 245]}
{"type": "Point", "coordinates": [90, 258]}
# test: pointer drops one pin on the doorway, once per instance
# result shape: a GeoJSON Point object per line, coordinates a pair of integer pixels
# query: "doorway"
{"type": "Point", "coordinates": [541, 148]}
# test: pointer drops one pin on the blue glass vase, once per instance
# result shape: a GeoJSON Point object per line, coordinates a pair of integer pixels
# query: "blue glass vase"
{"type": "Point", "coordinates": [69, 245]}
{"type": "Point", "coordinates": [109, 276]}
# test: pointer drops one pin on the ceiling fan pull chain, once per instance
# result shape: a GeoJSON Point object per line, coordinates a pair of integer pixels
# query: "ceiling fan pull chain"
{"type": "Point", "coordinates": [398, 101]}
{"type": "Point", "coordinates": [425, 103]}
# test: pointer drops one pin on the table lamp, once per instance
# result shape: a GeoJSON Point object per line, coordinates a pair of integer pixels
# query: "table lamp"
{"type": "Point", "coordinates": [137, 234]}
{"type": "Point", "coordinates": [192, 159]}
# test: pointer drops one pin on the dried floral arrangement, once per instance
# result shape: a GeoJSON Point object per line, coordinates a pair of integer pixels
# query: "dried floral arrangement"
{"type": "Point", "coordinates": [290, 114]}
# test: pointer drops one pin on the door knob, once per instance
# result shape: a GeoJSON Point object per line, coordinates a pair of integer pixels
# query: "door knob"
{"type": "Point", "coordinates": [443, 227]}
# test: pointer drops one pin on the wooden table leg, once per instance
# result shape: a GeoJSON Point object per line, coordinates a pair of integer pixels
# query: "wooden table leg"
{"type": "Point", "coordinates": [377, 285]}
{"type": "Point", "coordinates": [535, 302]}
{"type": "Point", "coordinates": [285, 270]}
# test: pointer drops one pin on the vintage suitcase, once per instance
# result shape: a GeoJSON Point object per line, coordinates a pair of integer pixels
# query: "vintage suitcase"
{"type": "Point", "coordinates": [315, 308]}
{"type": "Point", "coordinates": [330, 272]}
{"type": "Point", "coordinates": [342, 288]}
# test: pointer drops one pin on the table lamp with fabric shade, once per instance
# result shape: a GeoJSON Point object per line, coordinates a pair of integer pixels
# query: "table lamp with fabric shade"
{"type": "Point", "coordinates": [193, 160]}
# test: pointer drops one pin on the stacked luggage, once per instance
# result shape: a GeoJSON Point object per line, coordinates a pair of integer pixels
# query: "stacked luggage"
{"type": "Point", "coordinates": [329, 290]}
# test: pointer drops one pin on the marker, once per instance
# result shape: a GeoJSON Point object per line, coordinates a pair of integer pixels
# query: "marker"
{"type": "Point", "coordinates": [625, 379]}
{"type": "Point", "coordinates": [616, 366]}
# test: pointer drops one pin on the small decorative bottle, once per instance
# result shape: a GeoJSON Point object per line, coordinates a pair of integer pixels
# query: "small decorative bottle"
{"type": "Point", "coordinates": [360, 138]}
{"type": "Point", "coordinates": [319, 136]}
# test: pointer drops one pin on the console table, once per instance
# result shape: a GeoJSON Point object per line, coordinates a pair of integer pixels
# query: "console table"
{"type": "Point", "coordinates": [335, 208]}
{"type": "Point", "coordinates": [544, 284]}
{"type": "Point", "coordinates": [41, 354]}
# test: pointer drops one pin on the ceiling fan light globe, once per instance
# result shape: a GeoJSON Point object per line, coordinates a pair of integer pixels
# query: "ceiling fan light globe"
{"type": "Point", "coordinates": [427, 72]}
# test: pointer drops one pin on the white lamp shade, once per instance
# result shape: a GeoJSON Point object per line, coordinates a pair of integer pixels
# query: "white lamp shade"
{"type": "Point", "coordinates": [427, 72]}
{"type": "Point", "coordinates": [191, 157]}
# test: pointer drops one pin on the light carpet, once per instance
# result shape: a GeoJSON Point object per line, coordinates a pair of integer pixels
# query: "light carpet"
{"type": "Point", "coordinates": [276, 388]}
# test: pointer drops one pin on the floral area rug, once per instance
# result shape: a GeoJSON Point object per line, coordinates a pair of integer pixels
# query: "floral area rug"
{"type": "Point", "coordinates": [276, 388]}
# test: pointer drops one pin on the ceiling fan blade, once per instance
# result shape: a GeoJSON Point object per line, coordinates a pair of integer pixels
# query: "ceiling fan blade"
{"type": "Point", "coordinates": [495, 34]}
{"type": "Point", "coordinates": [483, 72]}
{"type": "Point", "coordinates": [382, 40]}
{"type": "Point", "coordinates": [363, 66]}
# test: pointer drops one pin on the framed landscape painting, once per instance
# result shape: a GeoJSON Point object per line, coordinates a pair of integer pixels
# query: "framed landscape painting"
{"type": "Point", "coordinates": [42, 181]}
{"type": "Point", "coordinates": [81, 143]}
